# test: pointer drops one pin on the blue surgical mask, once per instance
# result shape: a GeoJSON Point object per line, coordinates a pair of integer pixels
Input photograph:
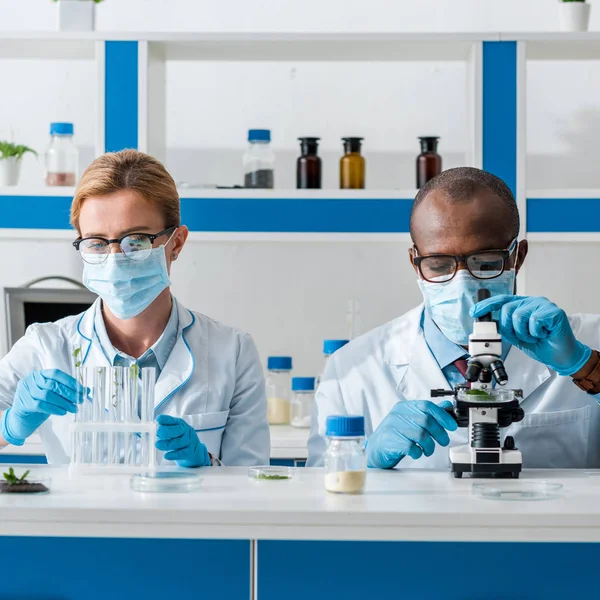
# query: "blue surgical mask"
{"type": "Point", "coordinates": [128, 286]}
{"type": "Point", "coordinates": [449, 303]}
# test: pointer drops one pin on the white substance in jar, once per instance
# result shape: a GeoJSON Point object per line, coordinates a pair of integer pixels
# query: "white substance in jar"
{"type": "Point", "coordinates": [278, 412]}
{"type": "Point", "coordinates": [301, 422]}
{"type": "Point", "coordinates": [346, 482]}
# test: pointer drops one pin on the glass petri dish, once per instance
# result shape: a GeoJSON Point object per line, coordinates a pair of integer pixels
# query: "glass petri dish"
{"type": "Point", "coordinates": [269, 473]}
{"type": "Point", "coordinates": [165, 482]}
{"type": "Point", "coordinates": [518, 490]}
{"type": "Point", "coordinates": [31, 486]}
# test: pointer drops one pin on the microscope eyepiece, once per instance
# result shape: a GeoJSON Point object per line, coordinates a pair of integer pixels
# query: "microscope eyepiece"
{"type": "Point", "coordinates": [500, 374]}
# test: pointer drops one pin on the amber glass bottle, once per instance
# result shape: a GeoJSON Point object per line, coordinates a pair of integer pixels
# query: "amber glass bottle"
{"type": "Point", "coordinates": [429, 162]}
{"type": "Point", "coordinates": [308, 166]}
{"type": "Point", "coordinates": [352, 165]}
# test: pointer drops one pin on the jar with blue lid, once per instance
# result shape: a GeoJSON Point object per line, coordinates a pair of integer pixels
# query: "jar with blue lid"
{"type": "Point", "coordinates": [303, 399]}
{"type": "Point", "coordinates": [278, 386]}
{"type": "Point", "coordinates": [329, 347]}
{"type": "Point", "coordinates": [345, 458]}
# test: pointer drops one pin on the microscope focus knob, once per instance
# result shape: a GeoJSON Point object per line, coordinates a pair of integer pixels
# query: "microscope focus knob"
{"type": "Point", "coordinates": [509, 443]}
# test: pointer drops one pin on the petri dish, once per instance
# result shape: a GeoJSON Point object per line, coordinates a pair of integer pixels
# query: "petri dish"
{"type": "Point", "coordinates": [270, 473]}
{"type": "Point", "coordinates": [518, 490]}
{"type": "Point", "coordinates": [31, 486]}
{"type": "Point", "coordinates": [165, 482]}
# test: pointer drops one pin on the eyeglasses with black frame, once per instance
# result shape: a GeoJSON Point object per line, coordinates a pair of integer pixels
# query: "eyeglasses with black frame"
{"type": "Point", "coordinates": [486, 264]}
{"type": "Point", "coordinates": [136, 246]}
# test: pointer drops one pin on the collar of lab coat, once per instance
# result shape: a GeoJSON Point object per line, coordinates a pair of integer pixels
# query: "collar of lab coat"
{"type": "Point", "coordinates": [180, 364]}
{"type": "Point", "coordinates": [414, 367]}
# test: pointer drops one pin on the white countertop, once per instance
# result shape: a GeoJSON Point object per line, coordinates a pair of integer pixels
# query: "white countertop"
{"type": "Point", "coordinates": [398, 505]}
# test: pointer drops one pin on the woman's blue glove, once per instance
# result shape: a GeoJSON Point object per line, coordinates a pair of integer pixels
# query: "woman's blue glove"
{"type": "Point", "coordinates": [410, 429]}
{"type": "Point", "coordinates": [181, 443]}
{"type": "Point", "coordinates": [39, 395]}
{"type": "Point", "coordinates": [540, 329]}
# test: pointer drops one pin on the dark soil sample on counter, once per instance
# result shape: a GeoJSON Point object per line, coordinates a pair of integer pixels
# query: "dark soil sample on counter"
{"type": "Point", "coordinates": [22, 488]}
{"type": "Point", "coordinates": [263, 179]}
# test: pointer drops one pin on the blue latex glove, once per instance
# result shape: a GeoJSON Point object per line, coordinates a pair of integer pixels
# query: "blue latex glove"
{"type": "Point", "coordinates": [540, 329]}
{"type": "Point", "coordinates": [39, 395]}
{"type": "Point", "coordinates": [181, 443]}
{"type": "Point", "coordinates": [411, 429]}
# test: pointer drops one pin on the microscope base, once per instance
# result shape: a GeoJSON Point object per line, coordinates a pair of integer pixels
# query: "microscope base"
{"type": "Point", "coordinates": [464, 459]}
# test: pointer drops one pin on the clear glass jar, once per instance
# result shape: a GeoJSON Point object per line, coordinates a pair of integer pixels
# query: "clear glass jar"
{"type": "Point", "coordinates": [329, 347]}
{"type": "Point", "coordinates": [259, 160]}
{"type": "Point", "coordinates": [278, 389]}
{"type": "Point", "coordinates": [62, 157]}
{"type": "Point", "coordinates": [303, 399]}
{"type": "Point", "coordinates": [345, 458]}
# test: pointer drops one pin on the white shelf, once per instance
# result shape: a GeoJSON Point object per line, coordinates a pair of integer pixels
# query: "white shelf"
{"type": "Point", "coordinates": [565, 194]}
{"type": "Point", "coordinates": [19, 190]}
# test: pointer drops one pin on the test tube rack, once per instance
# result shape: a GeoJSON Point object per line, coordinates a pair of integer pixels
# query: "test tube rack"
{"type": "Point", "coordinates": [113, 430]}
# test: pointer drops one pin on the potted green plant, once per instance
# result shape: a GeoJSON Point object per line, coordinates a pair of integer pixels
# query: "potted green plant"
{"type": "Point", "coordinates": [77, 15]}
{"type": "Point", "coordinates": [574, 15]}
{"type": "Point", "coordinates": [11, 156]}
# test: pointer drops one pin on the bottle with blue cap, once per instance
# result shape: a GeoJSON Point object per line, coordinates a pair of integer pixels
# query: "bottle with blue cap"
{"type": "Point", "coordinates": [329, 347]}
{"type": "Point", "coordinates": [278, 389]}
{"type": "Point", "coordinates": [303, 399]}
{"type": "Point", "coordinates": [62, 157]}
{"type": "Point", "coordinates": [345, 458]}
{"type": "Point", "coordinates": [259, 160]}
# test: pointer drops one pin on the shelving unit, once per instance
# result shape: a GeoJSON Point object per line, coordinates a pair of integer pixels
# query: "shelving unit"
{"type": "Point", "coordinates": [132, 113]}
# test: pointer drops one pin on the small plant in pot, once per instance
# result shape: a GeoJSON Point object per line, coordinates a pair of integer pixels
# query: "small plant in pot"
{"type": "Point", "coordinates": [12, 484]}
{"type": "Point", "coordinates": [77, 15]}
{"type": "Point", "coordinates": [574, 15]}
{"type": "Point", "coordinates": [11, 156]}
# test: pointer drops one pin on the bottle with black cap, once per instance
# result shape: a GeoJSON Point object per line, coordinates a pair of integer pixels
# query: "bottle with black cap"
{"type": "Point", "coordinates": [308, 166]}
{"type": "Point", "coordinates": [352, 165]}
{"type": "Point", "coordinates": [429, 162]}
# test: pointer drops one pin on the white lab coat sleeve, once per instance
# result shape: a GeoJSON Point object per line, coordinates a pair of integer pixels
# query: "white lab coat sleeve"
{"type": "Point", "coordinates": [246, 439]}
{"type": "Point", "coordinates": [328, 401]}
{"type": "Point", "coordinates": [24, 357]}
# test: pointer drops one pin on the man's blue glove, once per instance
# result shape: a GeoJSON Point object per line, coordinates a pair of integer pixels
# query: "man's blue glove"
{"type": "Point", "coordinates": [181, 443]}
{"type": "Point", "coordinates": [39, 395]}
{"type": "Point", "coordinates": [540, 329]}
{"type": "Point", "coordinates": [411, 429]}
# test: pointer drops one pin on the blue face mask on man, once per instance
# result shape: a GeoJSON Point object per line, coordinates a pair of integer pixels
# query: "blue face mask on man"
{"type": "Point", "coordinates": [128, 287]}
{"type": "Point", "coordinates": [449, 303]}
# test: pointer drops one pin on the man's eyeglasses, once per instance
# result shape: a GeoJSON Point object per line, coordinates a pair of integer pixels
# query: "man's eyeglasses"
{"type": "Point", "coordinates": [136, 246]}
{"type": "Point", "coordinates": [487, 264]}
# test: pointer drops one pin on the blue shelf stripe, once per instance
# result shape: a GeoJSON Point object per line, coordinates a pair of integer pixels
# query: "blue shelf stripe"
{"type": "Point", "coordinates": [293, 216]}
{"type": "Point", "coordinates": [121, 96]}
{"type": "Point", "coordinates": [22, 459]}
{"type": "Point", "coordinates": [35, 212]}
{"type": "Point", "coordinates": [568, 215]}
{"type": "Point", "coordinates": [236, 215]}
{"type": "Point", "coordinates": [500, 111]}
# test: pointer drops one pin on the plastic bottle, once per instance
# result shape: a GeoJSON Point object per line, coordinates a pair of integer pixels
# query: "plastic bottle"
{"type": "Point", "coordinates": [308, 166]}
{"type": "Point", "coordinates": [278, 389]}
{"type": "Point", "coordinates": [329, 347]}
{"type": "Point", "coordinates": [429, 162]}
{"type": "Point", "coordinates": [345, 458]}
{"type": "Point", "coordinates": [62, 157]}
{"type": "Point", "coordinates": [303, 398]}
{"type": "Point", "coordinates": [259, 160]}
{"type": "Point", "coordinates": [352, 165]}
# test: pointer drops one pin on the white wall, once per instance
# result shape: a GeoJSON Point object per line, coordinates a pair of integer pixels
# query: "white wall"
{"type": "Point", "coordinates": [292, 295]}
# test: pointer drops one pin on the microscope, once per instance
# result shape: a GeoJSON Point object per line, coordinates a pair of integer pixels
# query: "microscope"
{"type": "Point", "coordinates": [483, 408]}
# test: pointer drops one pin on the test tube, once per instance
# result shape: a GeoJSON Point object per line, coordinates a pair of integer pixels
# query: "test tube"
{"type": "Point", "coordinates": [115, 401]}
{"type": "Point", "coordinates": [98, 400]}
{"type": "Point", "coordinates": [148, 452]}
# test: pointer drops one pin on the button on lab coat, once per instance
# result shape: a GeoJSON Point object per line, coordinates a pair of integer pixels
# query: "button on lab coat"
{"type": "Point", "coordinates": [393, 364]}
{"type": "Point", "coordinates": [213, 379]}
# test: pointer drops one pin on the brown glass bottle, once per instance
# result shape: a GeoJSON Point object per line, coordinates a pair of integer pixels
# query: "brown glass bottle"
{"type": "Point", "coordinates": [352, 165]}
{"type": "Point", "coordinates": [429, 162]}
{"type": "Point", "coordinates": [308, 166]}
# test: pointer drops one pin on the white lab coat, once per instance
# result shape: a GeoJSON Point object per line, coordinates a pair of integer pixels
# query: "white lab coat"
{"type": "Point", "coordinates": [393, 363]}
{"type": "Point", "coordinates": [213, 379]}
